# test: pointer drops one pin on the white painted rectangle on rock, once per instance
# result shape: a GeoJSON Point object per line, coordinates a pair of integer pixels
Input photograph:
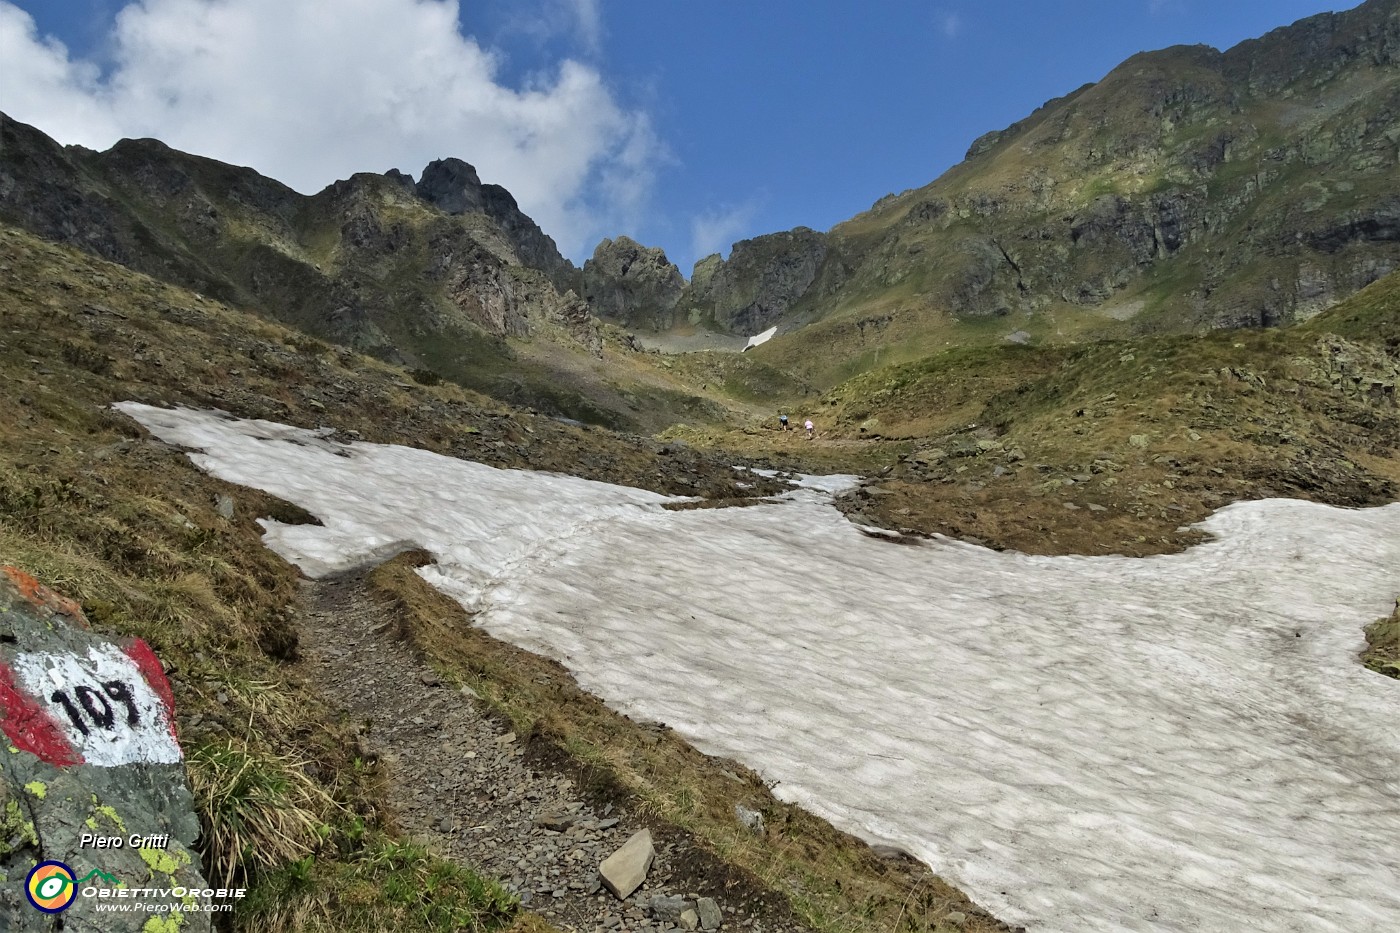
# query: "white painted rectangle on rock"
{"type": "Point", "coordinates": [102, 702]}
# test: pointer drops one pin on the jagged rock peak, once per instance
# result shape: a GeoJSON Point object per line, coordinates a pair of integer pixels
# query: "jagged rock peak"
{"type": "Point", "coordinates": [453, 186]}
{"type": "Point", "coordinates": [759, 284]}
{"type": "Point", "coordinates": [633, 284]}
{"type": "Point", "coordinates": [402, 179]}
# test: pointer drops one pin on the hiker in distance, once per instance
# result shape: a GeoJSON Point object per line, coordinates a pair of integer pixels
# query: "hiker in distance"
{"type": "Point", "coordinates": [783, 420]}
{"type": "Point", "coordinates": [810, 428]}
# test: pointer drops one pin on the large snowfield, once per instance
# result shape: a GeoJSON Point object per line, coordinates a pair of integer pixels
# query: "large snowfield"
{"type": "Point", "coordinates": [1179, 743]}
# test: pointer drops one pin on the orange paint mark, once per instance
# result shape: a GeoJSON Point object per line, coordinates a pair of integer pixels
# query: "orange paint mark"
{"type": "Point", "coordinates": [41, 597]}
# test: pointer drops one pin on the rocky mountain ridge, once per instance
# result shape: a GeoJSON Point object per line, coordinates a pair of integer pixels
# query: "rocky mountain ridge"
{"type": "Point", "coordinates": [1188, 189]}
{"type": "Point", "coordinates": [438, 274]}
{"type": "Point", "coordinates": [632, 284]}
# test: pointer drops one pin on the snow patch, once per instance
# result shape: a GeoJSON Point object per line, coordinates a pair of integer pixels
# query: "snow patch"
{"type": "Point", "coordinates": [1175, 743]}
{"type": "Point", "coordinates": [758, 340]}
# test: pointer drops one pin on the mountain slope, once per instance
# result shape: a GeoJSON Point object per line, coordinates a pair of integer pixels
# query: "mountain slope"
{"type": "Point", "coordinates": [152, 546]}
{"type": "Point", "coordinates": [445, 276]}
{"type": "Point", "coordinates": [1117, 446]}
{"type": "Point", "coordinates": [1188, 189]}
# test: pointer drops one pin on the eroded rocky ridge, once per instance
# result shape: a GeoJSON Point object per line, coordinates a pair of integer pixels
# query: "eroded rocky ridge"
{"type": "Point", "coordinates": [759, 284]}
{"type": "Point", "coordinates": [453, 186]}
{"type": "Point", "coordinates": [434, 274]}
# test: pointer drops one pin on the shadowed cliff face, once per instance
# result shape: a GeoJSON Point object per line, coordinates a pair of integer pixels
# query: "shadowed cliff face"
{"type": "Point", "coordinates": [632, 284]}
{"type": "Point", "coordinates": [453, 186]}
{"type": "Point", "coordinates": [1189, 188]}
{"type": "Point", "coordinates": [759, 284]}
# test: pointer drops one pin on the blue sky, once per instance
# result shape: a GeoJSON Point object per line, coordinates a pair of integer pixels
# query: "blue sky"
{"type": "Point", "coordinates": [686, 125]}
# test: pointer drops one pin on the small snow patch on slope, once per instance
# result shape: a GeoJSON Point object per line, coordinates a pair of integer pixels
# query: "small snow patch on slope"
{"type": "Point", "coordinates": [758, 340]}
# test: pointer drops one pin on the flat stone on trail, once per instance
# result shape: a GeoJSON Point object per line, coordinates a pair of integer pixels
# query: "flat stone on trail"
{"type": "Point", "coordinates": [624, 871]}
{"type": "Point", "coordinates": [555, 822]}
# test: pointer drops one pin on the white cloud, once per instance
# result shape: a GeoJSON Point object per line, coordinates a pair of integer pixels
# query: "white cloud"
{"type": "Point", "coordinates": [577, 23]}
{"type": "Point", "coordinates": [952, 25]}
{"type": "Point", "coordinates": [714, 231]}
{"type": "Point", "coordinates": [590, 23]}
{"type": "Point", "coordinates": [314, 90]}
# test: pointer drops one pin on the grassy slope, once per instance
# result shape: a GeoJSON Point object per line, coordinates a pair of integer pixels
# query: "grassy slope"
{"type": "Point", "coordinates": [1300, 162]}
{"type": "Point", "coordinates": [1371, 314]}
{"type": "Point", "coordinates": [1115, 446]}
{"type": "Point", "coordinates": [1383, 645]}
{"type": "Point", "coordinates": [130, 528]}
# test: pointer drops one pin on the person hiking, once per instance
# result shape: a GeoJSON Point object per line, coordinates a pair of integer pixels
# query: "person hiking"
{"type": "Point", "coordinates": [783, 420]}
{"type": "Point", "coordinates": [810, 428]}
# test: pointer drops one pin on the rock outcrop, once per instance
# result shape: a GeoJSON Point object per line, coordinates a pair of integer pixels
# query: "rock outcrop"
{"type": "Point", "coordinates": [452, 185]}
{"type": "Point", "coordinates": [92, 778]}
{"type": "Point", "coordinates": [632, 284]}
{"type": "Point", "coordinates": [759, 285]}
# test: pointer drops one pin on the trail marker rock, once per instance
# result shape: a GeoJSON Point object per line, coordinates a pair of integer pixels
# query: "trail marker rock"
{"type": "Point", "coordinates": [624, 871]}
{"type": "Point", "coordinates": [92, 780]}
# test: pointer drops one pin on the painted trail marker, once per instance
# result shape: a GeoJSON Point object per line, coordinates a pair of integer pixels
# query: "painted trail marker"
{"type": "Point", "coordinates": [100, 708]}
{"type": "Point", "coordinates": [90, 753]}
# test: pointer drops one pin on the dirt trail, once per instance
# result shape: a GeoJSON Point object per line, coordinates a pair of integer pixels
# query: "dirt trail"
{"type": "Point", "coordinates": [461, 783]}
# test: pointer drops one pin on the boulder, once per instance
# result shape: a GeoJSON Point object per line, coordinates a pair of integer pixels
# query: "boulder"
{"type": "Point", "coordinates": [751, 819]}
{"type": "Point", "coordinates": [710, 915]}
{"type": "Point", "coordinates": [93, 791]}
{"type": "Point", "coordinates": [668, 908]}
{"type": "Point", "coordinates": [624, 871]}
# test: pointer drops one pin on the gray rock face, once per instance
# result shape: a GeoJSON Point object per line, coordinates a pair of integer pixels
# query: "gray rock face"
{"type": "Point", "coordinates": [453, 186]}
{"type": "Point", "coordinates": [92, 777]}
{"type": "Point", "coordinates": [635, 285]}
{"type": "Point", "coordinates": [761, 282]}
{"type": "Point", "coordinates": [624, 871]}
{"type": "Point", "coordinates": [751, 819]}
{"type": "Point", "coordinates": [668, 908]}
{"type": "Point", "coordinates": [710, 915]}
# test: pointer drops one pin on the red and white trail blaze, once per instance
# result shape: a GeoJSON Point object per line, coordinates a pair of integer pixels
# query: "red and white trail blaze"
{"type": "Point", "coordinates": [108, 707]}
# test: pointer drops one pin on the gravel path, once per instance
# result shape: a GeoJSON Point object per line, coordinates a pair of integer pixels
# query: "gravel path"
{"type": "Point", "coordinates": [460, 782]}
